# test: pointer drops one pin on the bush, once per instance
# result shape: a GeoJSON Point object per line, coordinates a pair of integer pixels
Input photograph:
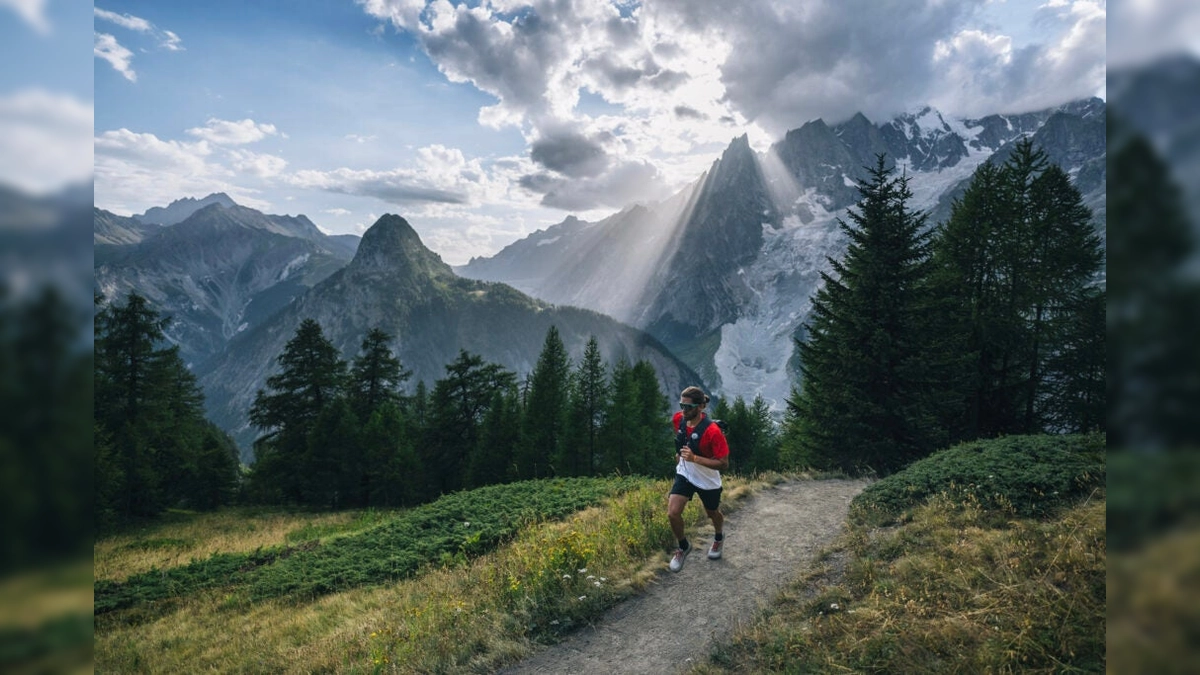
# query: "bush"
{"type": "Point", "coordinates": [1033, 476]}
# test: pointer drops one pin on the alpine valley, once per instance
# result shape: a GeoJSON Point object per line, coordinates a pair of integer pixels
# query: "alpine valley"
{"type": "Point", "coordinates": [712, 285]}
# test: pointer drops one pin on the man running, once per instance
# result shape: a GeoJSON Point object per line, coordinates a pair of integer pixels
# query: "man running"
{"type": "Point", "coordinates": [703, 453]}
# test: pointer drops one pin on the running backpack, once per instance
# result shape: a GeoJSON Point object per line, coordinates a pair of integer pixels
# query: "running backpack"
{"type": "Point", "coordinates": [682, 437]}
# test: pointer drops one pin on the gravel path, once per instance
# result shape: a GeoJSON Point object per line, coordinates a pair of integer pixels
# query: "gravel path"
{"type": "Point", "coordinates": [677, 620]}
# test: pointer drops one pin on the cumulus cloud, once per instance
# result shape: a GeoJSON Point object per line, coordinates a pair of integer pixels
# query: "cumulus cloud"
{"type": "Point", "coordinates": [107, 48]}
{"type": "Point", "coordinates": [980, 73]}
{"type": "Point", "coordinates": [628, 182]}
{"type": "Point", "coordinates": [225, 132]}
{"type": "Point", "coordinates": [255, 164]}
{"type": "Point", "coordinates": [570, 154]}
{"type": "Point", "coordinates": [45, 140]}
{"type": "Point", "coordinates": [135, 171]}
{"type": "Point", "coordinates": [683, 72]}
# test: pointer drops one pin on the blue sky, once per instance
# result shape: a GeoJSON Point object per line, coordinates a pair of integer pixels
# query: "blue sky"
{"type": "Point", "coordinates": [484, 121]}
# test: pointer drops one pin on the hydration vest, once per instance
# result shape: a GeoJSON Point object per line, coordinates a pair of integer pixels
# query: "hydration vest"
{"type": "Point", "coordinates": [692, 439]}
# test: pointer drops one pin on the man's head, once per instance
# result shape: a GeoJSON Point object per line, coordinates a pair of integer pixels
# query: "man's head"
{"type": "Point", "coordinates": [692, 402]}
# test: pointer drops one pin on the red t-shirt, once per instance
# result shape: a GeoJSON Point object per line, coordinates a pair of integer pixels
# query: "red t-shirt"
{"type": "Point", "coordinates": [713, 444]}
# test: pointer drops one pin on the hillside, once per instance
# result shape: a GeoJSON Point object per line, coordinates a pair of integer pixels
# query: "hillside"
{"type": "Point", "coordinates": [396, 284]}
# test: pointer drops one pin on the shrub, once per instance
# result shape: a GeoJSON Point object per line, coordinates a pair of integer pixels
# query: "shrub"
{"type": "Point", "coordinates": [1031, 476]}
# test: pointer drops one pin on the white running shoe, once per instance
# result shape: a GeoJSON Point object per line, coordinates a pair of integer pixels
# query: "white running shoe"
{"type": "Point", "coordinates": [714, 552]}
{"type": "Point", "coordinates": [678, 558]}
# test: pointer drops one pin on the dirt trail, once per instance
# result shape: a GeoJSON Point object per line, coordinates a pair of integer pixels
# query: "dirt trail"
{"type": "Point", "coordinates": [677, 620]}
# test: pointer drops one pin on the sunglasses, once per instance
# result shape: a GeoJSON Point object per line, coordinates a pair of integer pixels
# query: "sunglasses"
{"type": "Point", "coordinates": [689, 406]}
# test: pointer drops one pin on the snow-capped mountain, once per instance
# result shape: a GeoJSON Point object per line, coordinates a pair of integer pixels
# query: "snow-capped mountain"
{"type": "Point", "coordinates": [724, 271]}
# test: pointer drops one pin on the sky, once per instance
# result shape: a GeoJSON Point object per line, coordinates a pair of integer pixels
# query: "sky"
{"type": "Point", "coordinates": [481, 122]}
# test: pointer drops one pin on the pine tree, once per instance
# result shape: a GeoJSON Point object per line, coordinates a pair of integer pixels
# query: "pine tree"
{"type": "Point", "coordinates": [311, 377]}
{"type": "Point", "coordinates": [1016, 268]}
{"type": "Point", "coordinates": [652, 454]}
{"type": "Point", "coordinates": [159, 450]}
{"type": "Point", "coordinates": [864, 403]}
{"type": "Point", "coordinates": [542, 452]}
{"type": "Point", "coordinates": [619, 432]}
{"type": "Point", "coordinates": [458, 407]}
{"type": "Point", "coordinates": [376, 375]}
{"type": "Point", "coordinates": [393, 469]}
{"type": "Point", "coordinates": [489, 463]}
{"type": "Point", "coordinates": [968, 281]}
{"type": "Point", "coordinates": [586, 409]}
{"type": "Point", "coordinates": [1153, 365]}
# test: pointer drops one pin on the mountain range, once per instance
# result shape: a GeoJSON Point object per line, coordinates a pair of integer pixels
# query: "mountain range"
{"type": "Point", "coordinates": [723, 271]}
{"type": "Point", "coordinates": [237, 283]}
{"type": "Point", "coordinates": [719, 275]}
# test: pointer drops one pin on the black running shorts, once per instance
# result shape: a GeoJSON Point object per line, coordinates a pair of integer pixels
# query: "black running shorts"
{"type": "Point", "coordinates": [710, 498]}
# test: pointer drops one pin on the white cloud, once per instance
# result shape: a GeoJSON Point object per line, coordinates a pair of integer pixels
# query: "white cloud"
{"type": "Point", "coordinates": [224, 132]}
{"type": "Point", "coordinates": [45, 140]}
{"type": "Point", "coordinates": [398, 186]}
{"type": "Point", "coordinates": [135, 171]}
{"type": "Point", "coordinates": [124, 20]}
{"type": "Point", "coordinates": [166, 39]}
{"type": "Point", "coordinates": [32, 11]}
{"type": "Point", "coordinates": [107, 48]}
{"type": "Point", "coordinates": [255, 164]}
{"type": "Point", "coordinates": [979, 73]}
{"type": "Point", "coordinates": [337, 212]}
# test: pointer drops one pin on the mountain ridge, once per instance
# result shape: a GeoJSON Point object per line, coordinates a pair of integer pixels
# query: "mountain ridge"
{"type": "Point", "coordinates": [725, 281]}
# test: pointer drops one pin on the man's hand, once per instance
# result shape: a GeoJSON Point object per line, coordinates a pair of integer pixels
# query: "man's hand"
{"type": "Point", "coordinates": [687, 455]}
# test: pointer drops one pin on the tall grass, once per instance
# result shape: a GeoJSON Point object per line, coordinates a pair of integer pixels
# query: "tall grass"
{"type": "Point", "coordinates": [963, 585]}
{"type": "Point", "coordinates": [183, 537]}
{"type": "Point", "coordinates": [465, 616]}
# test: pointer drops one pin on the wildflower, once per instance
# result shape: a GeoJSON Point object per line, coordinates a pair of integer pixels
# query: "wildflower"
{"type": "Point", "coordinates": [566, 576]}
{"type": "Point", "coordinates": [582, 598]}
{"type": "Point", "coordinates": [597, 583]}
{"type": "Point", "coordinates": [833, 605]}
{"type": "Point", "coordinates": [554, 622]}
{"type": "Point", "coordinates": [603, 579]}
{"type": "Point", "coordinates": [582, 571]}
{"type": "Point", "coordinates": [591, 576]}
{"type": "Point", "coordinates": [467, 524]}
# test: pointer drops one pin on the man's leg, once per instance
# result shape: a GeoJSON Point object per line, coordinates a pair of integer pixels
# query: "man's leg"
{"type": "Point", "coordinates": [717, 518]}
{"type": "Point", "coordinates": [675, 506]}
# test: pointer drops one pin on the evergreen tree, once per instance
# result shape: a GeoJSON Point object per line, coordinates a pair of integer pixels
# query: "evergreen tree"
{"type": "Point", "coordinates": [619, 432]}
{"type": "Point", "coordinates": [586, 410]}
{"type": "Point", "coordinates": [395, 475]}
{"type": "Point", "coordinates": [864, 402]}
{"type": "Point", "coordinates": [489, 462]}
{"type": "Point", "coordinates": [969, 281]}
{"type": "Point", "coordinates": [765, 453]}
{"type": "Point", "coordinates": [335, 468]}
{"type": "Point", "coordinates": [652, 453]}
{"type": "Point", "coordinates": [1016, 267]}
{"type": "Point", "coordinates": [376, 375]}
{"type": "Point", "coordinates": [458, 407]}
{"type": "Point", "coordinates": [1153, 364]}
{"type": "Point", "coordinates": [311, 377]}
{"type": "Point", "coordinates": [542, 450]}
{"type": "Point", "coordinates": [45, 435]}
{"type": "Point", "coordinates": [157, 447]}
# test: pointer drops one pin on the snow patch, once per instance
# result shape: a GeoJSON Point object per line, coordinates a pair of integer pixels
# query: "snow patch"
{"type": "Point", "coordinates": [551, 240]}
{"type": "Point", "coordinates": [753, 357]}
{"type": "Point", "coordinates": [292, 266]}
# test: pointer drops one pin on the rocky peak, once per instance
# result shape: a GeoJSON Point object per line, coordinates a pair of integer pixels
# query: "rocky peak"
{"type": "Point", "coordinates": [391, 245]}
{"type": "Point", "coordinates": [181, 209]}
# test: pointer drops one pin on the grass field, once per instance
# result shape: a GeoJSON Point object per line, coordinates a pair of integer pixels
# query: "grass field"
{"type": "Point", "coordinates": [458, 613]}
